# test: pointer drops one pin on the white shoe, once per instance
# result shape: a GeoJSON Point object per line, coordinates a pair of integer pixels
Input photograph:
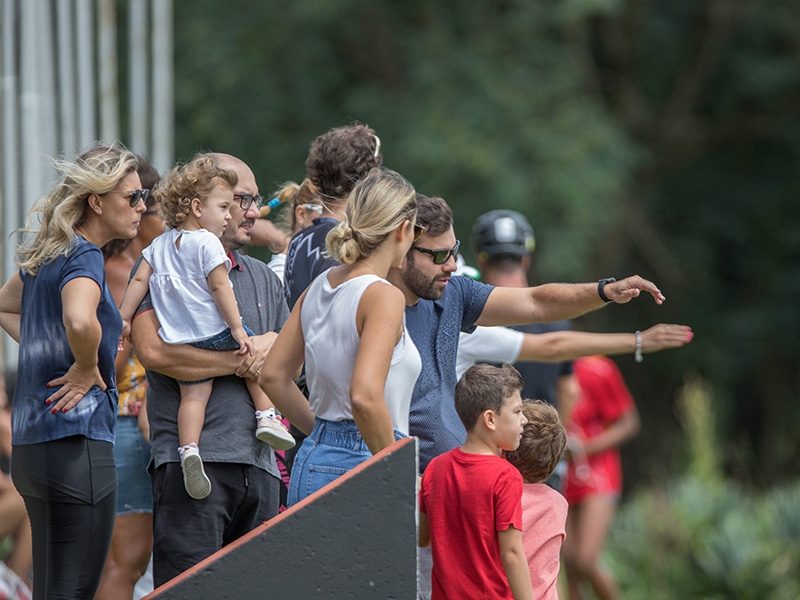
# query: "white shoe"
{"type": "Point", "coordinates": [197, 484]}
{"type": "Point", "coordinates": [271, 431]}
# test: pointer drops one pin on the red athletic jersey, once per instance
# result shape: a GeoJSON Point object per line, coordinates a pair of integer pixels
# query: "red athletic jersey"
{"type": "Point", "coordinates": [469, 498]}
{"type": "Point", "coordinates": [604, 398]}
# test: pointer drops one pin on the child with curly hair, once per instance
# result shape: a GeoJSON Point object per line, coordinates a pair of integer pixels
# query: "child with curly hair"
{"type": "Point", "coordinates": [186, 272]}
{"type": "Point", "coordinates": [544, 510]}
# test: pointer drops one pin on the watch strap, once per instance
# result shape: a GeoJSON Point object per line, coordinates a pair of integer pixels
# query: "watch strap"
{"type": "Point", "coordinates": [601, 291]}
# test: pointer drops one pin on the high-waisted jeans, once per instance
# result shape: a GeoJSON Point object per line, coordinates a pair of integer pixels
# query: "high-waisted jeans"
{"type": "Point", "coordinates": [332, 449]}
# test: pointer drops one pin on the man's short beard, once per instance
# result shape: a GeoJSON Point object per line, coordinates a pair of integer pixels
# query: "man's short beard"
{"type": "Point", "coordinates": [417, 283]}
{"type": "Point", "coordinates": [230, 242]}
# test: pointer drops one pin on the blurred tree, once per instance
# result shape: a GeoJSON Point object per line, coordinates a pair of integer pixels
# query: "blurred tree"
{"type": "Point", "coordinates": [711, 90]}
{"type": "Point", "coordinates": [650, 137]}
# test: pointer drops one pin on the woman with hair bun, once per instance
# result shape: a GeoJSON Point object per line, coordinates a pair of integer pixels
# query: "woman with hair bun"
{"type": "Point", "coordinates": [60, 310]}
{"type": "Point", "coordinates": [349, 329]}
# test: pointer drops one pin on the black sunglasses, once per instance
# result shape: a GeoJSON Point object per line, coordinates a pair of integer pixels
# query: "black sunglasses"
{"type": "Point", "coordinates": [439, 256]}
{"type": "Point", "coordinates": [136, 195]}
{"type": "Point", "coordinates": [246, 200]}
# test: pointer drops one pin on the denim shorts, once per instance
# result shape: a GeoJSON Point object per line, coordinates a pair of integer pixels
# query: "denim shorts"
{"type": "Point", "coordinates": [132, 453]}
{"type": "Point", "coordinates": [332, 449]}
{"type": "Point", "coordinates": [221, 342]}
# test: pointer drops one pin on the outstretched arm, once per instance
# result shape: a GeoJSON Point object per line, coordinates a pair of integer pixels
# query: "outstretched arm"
{"type": "Point", "coordinates": [559, 346]}
{"type": "Point", "coordinates": [265, 233]}
{"type": "Point", "coordinates": [557, 301]}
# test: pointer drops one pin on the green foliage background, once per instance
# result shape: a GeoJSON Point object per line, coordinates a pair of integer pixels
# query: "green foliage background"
{"type": "Point", "coordinates": [658, 138]}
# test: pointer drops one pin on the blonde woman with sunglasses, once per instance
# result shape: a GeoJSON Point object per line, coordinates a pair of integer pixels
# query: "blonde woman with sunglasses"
{"type": "Point", "coordinates": [348, 328]}
{"type": "Point", "coordinates": [60, 310]}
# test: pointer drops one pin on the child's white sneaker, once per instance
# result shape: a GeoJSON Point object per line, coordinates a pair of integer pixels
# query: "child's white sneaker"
{"type": "Point", "coordinates": [271, 431]}
{"type": "Point", "coordinates": [197, 484]}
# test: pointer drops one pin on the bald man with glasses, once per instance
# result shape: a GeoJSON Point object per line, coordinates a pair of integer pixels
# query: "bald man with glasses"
{"type": "Point", "coordinates": [245, 481]}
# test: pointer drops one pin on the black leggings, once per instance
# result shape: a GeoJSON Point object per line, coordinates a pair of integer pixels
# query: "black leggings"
{"type": "Point", "coordinates": [70, 491]}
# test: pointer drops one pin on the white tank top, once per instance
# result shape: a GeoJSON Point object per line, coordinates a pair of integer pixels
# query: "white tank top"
{"type": "Point", "coordinates": [328, 320]}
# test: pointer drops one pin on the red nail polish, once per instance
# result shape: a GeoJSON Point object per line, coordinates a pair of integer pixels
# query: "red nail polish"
{"type": "Point", "coordinates": [63, 410]}
{"type": "Point", "coordinates": [47, 385]}
{"type": "Point", "coordinates": [54, 411]}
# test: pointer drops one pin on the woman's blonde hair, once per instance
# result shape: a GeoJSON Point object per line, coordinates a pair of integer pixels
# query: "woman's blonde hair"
{"type": "Point", "coordinates": [184, 183]}
{"type": "Point", "coordinates": [378, 204]}
{"type": "Point", "coordinates": [294, 194]}
{"type": "Point", "coordinates": [97, 171]}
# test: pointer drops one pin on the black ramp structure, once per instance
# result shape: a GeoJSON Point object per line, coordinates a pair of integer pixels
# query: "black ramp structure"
{"type": "Point", "coordinates": [353, 539]}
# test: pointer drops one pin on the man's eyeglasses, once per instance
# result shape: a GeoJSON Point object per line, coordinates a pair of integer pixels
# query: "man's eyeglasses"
{"type": "Point", "coordinates": [439, 256]}
{"type": "Point", "coordinates": [136, 195]}
{"type": "Point", "coordinates": [418, 231]}
{"type": "Point", "coordinates": [247, 200]}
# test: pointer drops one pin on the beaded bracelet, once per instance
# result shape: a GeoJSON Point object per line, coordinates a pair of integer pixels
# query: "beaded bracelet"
{"type": "Point", "coordinates": [637, 352]}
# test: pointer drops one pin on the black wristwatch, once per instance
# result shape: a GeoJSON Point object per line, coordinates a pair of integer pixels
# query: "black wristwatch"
{"type": "Point", "coordinates": [600, 292]}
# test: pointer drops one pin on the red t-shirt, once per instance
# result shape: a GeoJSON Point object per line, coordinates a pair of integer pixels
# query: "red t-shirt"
{"type": "Point", "coordinates": [604, 398]}
{"type": "Point", "coordinates": [469, 498]}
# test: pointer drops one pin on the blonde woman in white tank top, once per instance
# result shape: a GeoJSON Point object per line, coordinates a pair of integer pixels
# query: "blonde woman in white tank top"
{"type": "Point", "coordinates": [348, 327]}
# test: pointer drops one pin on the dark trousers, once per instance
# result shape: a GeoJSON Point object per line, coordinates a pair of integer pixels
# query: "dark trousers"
{"type": "Point", "coordinates": [186, 531]}
{"type": "Point", "coordinates": [70, 491]}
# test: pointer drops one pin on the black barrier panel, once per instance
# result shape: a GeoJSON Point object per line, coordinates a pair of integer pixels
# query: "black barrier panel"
{"type": "Point", "coordinates": [354, 539]}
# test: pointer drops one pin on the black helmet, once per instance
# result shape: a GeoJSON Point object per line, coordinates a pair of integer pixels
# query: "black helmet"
{"type": "Point", "coordinates": [502, 234]}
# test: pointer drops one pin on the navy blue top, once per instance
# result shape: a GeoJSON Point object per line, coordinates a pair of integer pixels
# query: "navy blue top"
{"type": "Point", "coordinates": [304, 258]}
{"type": "Point", "coordinates": [45, 354]}
{"type": "Point", "coordinates": [434, 327]}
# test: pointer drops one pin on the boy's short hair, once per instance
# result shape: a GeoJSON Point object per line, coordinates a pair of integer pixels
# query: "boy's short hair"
{"type": "Point", "coordinates": [484, 387]}
{"type": "Point", "coordinates": [543, 441]}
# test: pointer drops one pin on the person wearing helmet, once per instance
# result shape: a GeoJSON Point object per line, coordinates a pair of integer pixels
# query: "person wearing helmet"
{"type": "Point", "coordinates": [503, 241]}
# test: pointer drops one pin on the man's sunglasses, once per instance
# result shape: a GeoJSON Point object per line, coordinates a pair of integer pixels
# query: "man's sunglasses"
{"type": "Point", "coordinates": [439, 256]}
{"type": "Point", "coordinates": [247, 200]}
{"type": "Point", "coordinates": [136, 195]}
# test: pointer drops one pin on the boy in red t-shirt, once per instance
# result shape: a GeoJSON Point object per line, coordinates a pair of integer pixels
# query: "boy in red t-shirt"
{"type": "Point", "coordinates": [544, 510]}
{"type": "Point", "coordinates": [470, 500]}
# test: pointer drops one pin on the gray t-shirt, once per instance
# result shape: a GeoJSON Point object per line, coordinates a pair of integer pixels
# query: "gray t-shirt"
{"type": "Point", "coordinates": [229, 430]}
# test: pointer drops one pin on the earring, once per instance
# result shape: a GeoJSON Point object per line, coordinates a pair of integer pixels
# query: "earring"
{"type": "Point", "coordinates": [99, 212]}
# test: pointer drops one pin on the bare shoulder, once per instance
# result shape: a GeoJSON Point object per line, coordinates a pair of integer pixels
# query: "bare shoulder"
{"type": "Point", "coordinates": [386, 293]}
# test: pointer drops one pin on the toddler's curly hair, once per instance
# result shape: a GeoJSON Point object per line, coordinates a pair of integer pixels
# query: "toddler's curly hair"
{"type": "Point", "coordinates": [195, 179]}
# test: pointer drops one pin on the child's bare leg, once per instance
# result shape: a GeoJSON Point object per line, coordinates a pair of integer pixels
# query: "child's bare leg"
{"type": "Point", "coordinates": [270, 429]}
{"type": "Point", "coordinates": [191, 416]}
{"type": "Point", "coordinates": [260, 399]}
{"type": "Point", "coordinates": [192, 411]}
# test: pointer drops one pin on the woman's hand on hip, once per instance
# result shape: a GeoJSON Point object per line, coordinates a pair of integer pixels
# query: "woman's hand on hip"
{"type": "Point", "coordinates": [75, 384]}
